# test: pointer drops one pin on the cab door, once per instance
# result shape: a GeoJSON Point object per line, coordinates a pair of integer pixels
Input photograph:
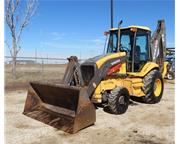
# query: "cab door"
{"type": "Point", "coordinates": [141, 50]}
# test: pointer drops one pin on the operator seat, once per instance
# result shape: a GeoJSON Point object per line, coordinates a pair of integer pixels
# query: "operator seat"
{"type": "Point", "coordinates": [137, 54]}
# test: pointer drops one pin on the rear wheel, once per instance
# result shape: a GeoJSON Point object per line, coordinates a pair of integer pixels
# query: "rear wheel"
{"type": "Point", "coordinates": [170, 76]}
{"type": "Point", "coordinates": [118, 100]}
{"type": "Point", "coordinates": [153, 87]}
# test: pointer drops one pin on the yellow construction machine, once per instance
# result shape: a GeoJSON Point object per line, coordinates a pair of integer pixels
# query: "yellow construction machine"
{"type": "Point", "coordinates": [133, 65]}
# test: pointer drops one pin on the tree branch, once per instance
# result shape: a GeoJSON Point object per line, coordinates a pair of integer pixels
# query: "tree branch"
{"type": "Point", "coordinates": [8, 13]}
{"type": "Point", "coordinates": [8, 46]}
{"type": "Point", "coordinates": [18, 50]}
{"type": "Point", "coordinates": [16, 5]}
{"type": "Point", "coordinates": [31, 7]}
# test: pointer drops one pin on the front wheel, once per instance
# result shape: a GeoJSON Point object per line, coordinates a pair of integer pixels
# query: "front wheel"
{"type": "Point", "coordinates": [118, 100]}
{"type": "Point", "coordinates": [153, 87]}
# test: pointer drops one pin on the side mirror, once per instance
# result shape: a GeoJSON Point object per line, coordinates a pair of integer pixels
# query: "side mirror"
{"type": "Point", "coordinates": [106, 33]}
{"type": "Point", "coordinates": [120, 23]}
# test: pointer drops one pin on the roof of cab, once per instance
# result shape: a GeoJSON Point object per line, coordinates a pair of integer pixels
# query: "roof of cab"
{"type": "Point", "coordinates": [134, 26]}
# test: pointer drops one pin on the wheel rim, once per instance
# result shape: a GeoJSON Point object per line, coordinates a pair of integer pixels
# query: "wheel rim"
{"type": "Point", "coordinates": [169, 76]}
{"type": "Point", "coordinates": [157, 87]}
{"type": "Point", "coordinates": [121, 100]}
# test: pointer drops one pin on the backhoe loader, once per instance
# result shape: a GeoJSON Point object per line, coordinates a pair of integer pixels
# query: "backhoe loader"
{"type": "Point", "coordinates": [133, 65]}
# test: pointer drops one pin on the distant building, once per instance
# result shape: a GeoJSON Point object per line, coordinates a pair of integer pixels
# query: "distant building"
{"type": "Point", "coordinates": [170, 51]}
{"type": "Point", "coordinates": [171, 48]}
{"type": "Point", "coordinates": [22, 62]}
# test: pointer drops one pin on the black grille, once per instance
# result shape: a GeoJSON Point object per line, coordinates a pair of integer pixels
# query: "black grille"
{"type": "Point", "coordinates": [87, 72]}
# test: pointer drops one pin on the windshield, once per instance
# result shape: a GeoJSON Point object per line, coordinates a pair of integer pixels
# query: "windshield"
{"type": "Point", "coordinates": [126, 41]}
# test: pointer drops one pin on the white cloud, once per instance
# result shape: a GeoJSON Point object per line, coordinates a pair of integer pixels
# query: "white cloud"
{"type": "Point", "coordinates": [57, 36]}
{"type": "Point", "coordinates": [99, 41]}
{"type": "Point", "coordinates": [50, 44]}
{"type": "Point", "coordinates": [54, 33]}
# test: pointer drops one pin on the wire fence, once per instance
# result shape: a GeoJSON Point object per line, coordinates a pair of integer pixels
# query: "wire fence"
{"type": "Point", "coordinates": [35, 68]}
{"type": "Point", "coordinates": [36, 60]}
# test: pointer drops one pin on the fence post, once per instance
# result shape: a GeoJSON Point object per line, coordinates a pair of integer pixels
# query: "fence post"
{"type": "Point", "coordinates": [42, 66]}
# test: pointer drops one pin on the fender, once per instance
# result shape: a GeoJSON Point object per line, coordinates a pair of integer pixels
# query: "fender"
{"type": "Point", "coordinates": [146, 69]}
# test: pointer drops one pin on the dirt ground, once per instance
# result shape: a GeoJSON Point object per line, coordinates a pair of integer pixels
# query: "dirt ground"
{"type": "Point", "coordinates": [141, 124]}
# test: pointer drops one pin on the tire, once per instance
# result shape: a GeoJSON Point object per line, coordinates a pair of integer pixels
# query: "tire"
{"type": "Point", "coordinates": [153, 87]}
{"type": "Point", "coordinates": [170, 76]}
{"type": "Point", "coordinates": [118, 100]}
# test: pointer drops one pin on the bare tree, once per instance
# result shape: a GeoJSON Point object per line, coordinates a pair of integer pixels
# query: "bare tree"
{"type": "Point", "coordinates": [18, 14]}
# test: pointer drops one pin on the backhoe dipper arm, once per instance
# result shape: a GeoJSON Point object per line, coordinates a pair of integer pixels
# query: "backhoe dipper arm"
{"type": "Point", "coordinates": [158, 44]}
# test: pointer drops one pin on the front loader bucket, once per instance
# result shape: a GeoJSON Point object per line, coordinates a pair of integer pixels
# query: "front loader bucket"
{"type": "Point", "coordinates": [61, 106]}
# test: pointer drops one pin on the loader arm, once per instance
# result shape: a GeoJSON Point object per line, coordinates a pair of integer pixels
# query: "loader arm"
{"type": "Point", "coordinates": [72, 74]}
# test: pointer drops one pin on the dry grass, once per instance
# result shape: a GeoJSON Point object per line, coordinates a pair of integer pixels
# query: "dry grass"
{"type": "Point", "coordinates": [34, 72]}
{"type": "Point", "coordinates": [37, 72]}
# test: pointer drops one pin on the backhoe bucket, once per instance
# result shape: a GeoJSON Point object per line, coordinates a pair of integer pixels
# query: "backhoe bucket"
{"type": "Point", "coordinates": [61, 106]}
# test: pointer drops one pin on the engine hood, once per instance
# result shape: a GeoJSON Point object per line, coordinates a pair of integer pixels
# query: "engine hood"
{"type": "Point", "coordinates": [110, 59]}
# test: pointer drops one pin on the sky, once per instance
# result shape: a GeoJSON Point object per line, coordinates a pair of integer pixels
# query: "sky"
{"type": "Point", "coordinates": [62, 28]}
